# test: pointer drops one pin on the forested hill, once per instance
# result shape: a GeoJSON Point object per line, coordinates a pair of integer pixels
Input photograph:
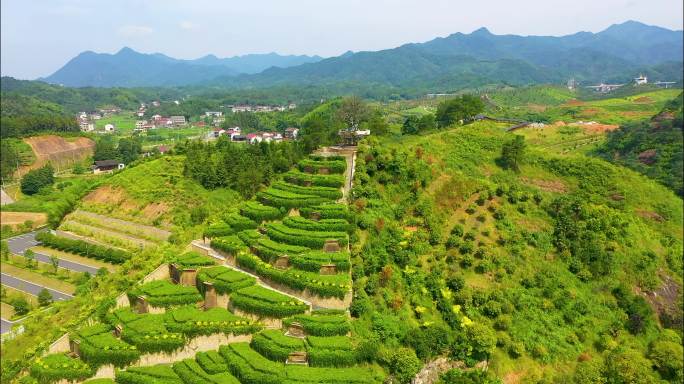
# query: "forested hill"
{"type": "Point", "coordinates": [458, 61]}
{"type": "Point", "coordinates": [653, 147]}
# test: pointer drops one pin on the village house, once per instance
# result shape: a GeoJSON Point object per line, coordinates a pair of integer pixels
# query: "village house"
{"type": "Point", "coordinates": [213, 114]}
{"type": "Point", "coordinates": [156, 117]}
{"type": "Point", "coordinates": [109, 127]}
{"type": "Point", "coordinates": [291, 133]}
{"type": "Point", "coordinates": [178, 120]}
{"type": "Point", "coordinates": [86, 126]}
{"type": "Point", "coordinates": [155, 103]}
{"type": "Point", "coordinates": [106, 166]}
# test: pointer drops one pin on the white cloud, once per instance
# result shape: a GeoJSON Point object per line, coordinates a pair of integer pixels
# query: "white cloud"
{"type": "Point", "coordinates": [135, 30]}
{"type": "Point", "coordinates": [187, 25]}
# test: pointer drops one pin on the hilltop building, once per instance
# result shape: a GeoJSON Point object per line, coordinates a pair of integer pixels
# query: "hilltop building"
{"type": "Point", "coordinates": [641, 80]}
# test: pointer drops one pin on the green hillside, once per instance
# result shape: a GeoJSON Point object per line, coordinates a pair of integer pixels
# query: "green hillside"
{"type": "Point", "coordinates": [549, 274]}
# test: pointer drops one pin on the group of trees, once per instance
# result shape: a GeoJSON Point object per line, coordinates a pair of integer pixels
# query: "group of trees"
{"type": "Point", "coordinates": [126, 150]}
{"type": "Point", "coordinates": [34, 180]}
{"type": "Point", "coordinates": [243, 168]}
{"type": "Point", "coordinates": [457, 110]}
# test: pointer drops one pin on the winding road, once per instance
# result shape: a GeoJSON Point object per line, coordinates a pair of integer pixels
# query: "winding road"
{"type": "Point", "coordinates": [31, 288]}
{"type": "Point", "coordinates": [19, 244]}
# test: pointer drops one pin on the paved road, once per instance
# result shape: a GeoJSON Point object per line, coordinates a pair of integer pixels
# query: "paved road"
{"type": "Point", "coordinates": [19, 244]}
{"type": "Point", "coordinates": [32, 288]}
{"type": "Point", "coordinates": [5, 325]}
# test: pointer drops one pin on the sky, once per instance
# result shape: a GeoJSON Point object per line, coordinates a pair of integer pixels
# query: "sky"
{"type": "Point", "coordinates": [39, 36]}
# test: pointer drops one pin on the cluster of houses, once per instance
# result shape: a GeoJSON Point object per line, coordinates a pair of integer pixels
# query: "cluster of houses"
{"type": "Point", "coordinates": [159, 121]}
{"type": "Point", "coordinates": [605, 88]}
{"type": "Point", "coordinates": [236, 135]}
{"type": "Point", "coordinates": [86, 121]}
{"type": "Point", "coordinates": [261, 108]}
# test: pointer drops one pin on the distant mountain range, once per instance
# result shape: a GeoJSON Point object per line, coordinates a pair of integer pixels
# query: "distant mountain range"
{"type": "Point", "coordinates": [128, 68]}
{"type": "Point", "coordinates": [616, 54]}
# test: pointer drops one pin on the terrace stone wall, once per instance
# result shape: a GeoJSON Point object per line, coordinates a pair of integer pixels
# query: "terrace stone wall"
{"type": "Point", "coordinates": [161, 273]}
{"type": "Point", "coordinates": [197, 344]}
{"type": "Point", "coordinates": [122, 301]}
{"type": "Point", "coordinates": [61, 345]}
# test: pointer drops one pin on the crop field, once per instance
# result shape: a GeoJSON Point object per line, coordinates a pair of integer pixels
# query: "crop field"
{"type": "Point", "coordinates": [123, 123]}
{"type": "Point", "coordinates": [328, 351]}
{"type": "Point", "coordinates": [16, 219]}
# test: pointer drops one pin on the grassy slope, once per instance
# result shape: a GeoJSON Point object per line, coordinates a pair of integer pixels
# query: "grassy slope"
{"type": "Point", "coordinates": [462, 162]}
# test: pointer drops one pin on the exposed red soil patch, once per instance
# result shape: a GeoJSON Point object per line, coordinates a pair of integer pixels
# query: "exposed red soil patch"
{"type": "Point", "coordinates": [634, 113]}
{"type": "Point", "coordinates": [556, 186]}
{"type": "Point", "coordinates": [643, 100]}
{"type": "Point", "coordinates": [573, 103]}
{"type": "Point", "coordinates": [14, 219]}
{"type": "Point", "coordinates": [650, 215]}
{"type": "Point", "coordinates": [57, 150]}
{"type": "Point", "coordinates": [410, 228]}
{"type": "Point", "coordinates": [106, 195]}
{"type": "Point", "coordinates": [599, 128]}
{"type": "Point", "coordinates": [513, 377]}
{"type": "Point", "coordinates": [647, 157]}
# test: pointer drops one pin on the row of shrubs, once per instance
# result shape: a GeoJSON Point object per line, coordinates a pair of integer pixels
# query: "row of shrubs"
{"type": "Point", "coordinates": [192, 259]}
{"type": "Point", "coordinates": [162, 293]}
{"type": "Point", "coordinates": [332, 351]}
{"type": "Point", "coordinates": [239, 222]}
{"type": "Point", "coordinates": [323, 225]}
{"type": "Point", "coordinates": [219, 229]}
{"type": "Point", "coordinates": [259, 212]}
{"type": "Point", "coordinates": [326, 211]}
{"type": "Point", "coordinates": [228, 244]}
{"type": "Point", "coordinates": [252, 368]}
{"type": "Point", "coordinates": [327, 192]}
{"type": "Point", "coordinates": [59, 366]}
{"type": "Point", "coordinates": [83, 248]}
{"type": "Point", "coordinates": [224, 280]}
{"type": "Point", "coordinates": [315, 166]}
{"type": "Point", "coordinates": [312, 239]}
{"type": "Point", "coordinates": [269, 250]}
{"type": "Point", "coordinates": [288, 200]}
{"type": "Point", "coordinates": [321, 285]}
{"type": "Point", "coordinates": [161, 373]}
{"type": "Point", "coordinates": [192, 373]}
{"type": "Point", "coordinates": [262, 301]}
{"type": "Point", "coordinates": [322, 323]}
{"type": "Point", "coordinates": [300, 178]}
{"type": "Point", "coordinates": [312, 261]}
{"type": "Point", "coordinates": [98, 346]}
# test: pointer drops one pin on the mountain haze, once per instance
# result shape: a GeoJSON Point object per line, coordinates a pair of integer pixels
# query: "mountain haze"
{"type": "Point", "coordinates": [128, 68]}
{"type": "Point", "coordinates": [457, 61]}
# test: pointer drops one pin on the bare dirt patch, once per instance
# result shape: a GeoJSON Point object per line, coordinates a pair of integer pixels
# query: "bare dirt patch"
{"type": "Point", "coordinates": [664, 300]}
{"type": "Point", "coordinates": [643, 100]}
{"type": "Point", "coordinates": [57, 150]}
{"type": "Point", "coordinates": [647, 157]}
{"type": "Point", "coordinates": [556, 186]}
{"type": "Point", "coordinates": [14, 219]}
{"type": "Point", "coordinates": [650, 215]}
{"type": "Point", "coordinates": [513, 377]}
{"type": "Point", "coordinates": [573, 103]}
{"type": "Point", "coordinates": [106, 195]}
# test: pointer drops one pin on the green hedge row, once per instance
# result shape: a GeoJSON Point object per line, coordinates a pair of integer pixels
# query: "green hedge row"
{"type": "Point", "coordinates": [333, 166]}
{"type": "Point", "coordinates": [229, 244]}
{"type": "Point", "coordinates": [225, 280]}
{"type": "Point", "coordinates": [327, 211]}
{"type": "Point", "coordinates": [147, 332]}
{"type": "Point", "coordinates": [249, 366]}
{"type": "Point", "coordinates": [162, 293]}
{"type": "Point", "coordinates": [323, 225]}
{"type": "Point", "coordinates": [274, 345]}
{"type": "Point", "coordinates": [211, 362]}
{"type": "Point", "coordinates": [269, 250]}
{"type": "Point", "coordinates": [312, 261]}
{"type": "Point", "coordinates": [262, 301]}
{"type": "Point", "coordinates": [191, 373]}
{"type": "Point", "coordinates": [155, 374]}
{"type": "Point", "coordinates": [59, 366]}
{"type": "Point", "coordinates": [330, 351]}
{"type": "Point", "coordinates": [191, 321]}
{"type": "Point", "coordinates": [312, 239]}
{"type": "Point", "coordinates": [98, 346]}
{"type": "Point", "coordinates": [192, 259]}
{"type": "Point", "coordinates": [80, 247]}
{"type": "Point", "coordinates": [327, 158]}
{"type": "Point", "coordinates": [327, 192]}
{"type": "Point", "coordinates": [250, 236]}
{"type": "Point", "coordinates": [301, 178]}
{"type": "Point", "coordinates": [218, 230]}
{"type": "Point", "coordinates": [239, 222]}
{"type": "Point", "coordinates": [322, 324]}
{"type": "Point", "coordinates": [288, 200]}
{"type": "Point", "coordinates": [321, 285]}
{"type": "Point", "coordinates": [259, 212]}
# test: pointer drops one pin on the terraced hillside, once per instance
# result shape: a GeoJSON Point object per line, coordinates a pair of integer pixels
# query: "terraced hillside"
{"type": "Point", "coordinates": [266, 302]}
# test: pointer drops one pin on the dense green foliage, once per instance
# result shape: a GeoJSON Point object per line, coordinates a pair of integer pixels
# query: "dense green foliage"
{"type": "Point", "coordinates": [80, 247]}
{"type": "Point", "coordinates": [162, 293]}
{"type": "Point", "coordinates": [458, 109]}
{"type": "Point", "coordinates": [225, 280]}
{"type": "Point", "coordinates": [243, 168]}
{"type": "Point", "coordinates": [36, 179]}
{"type": "Point", "coordinates": [654, 147]}
{"type": "Point", "coordinates": [55, 367]}
{"type": "Point", "coordinates": [263, 301]}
